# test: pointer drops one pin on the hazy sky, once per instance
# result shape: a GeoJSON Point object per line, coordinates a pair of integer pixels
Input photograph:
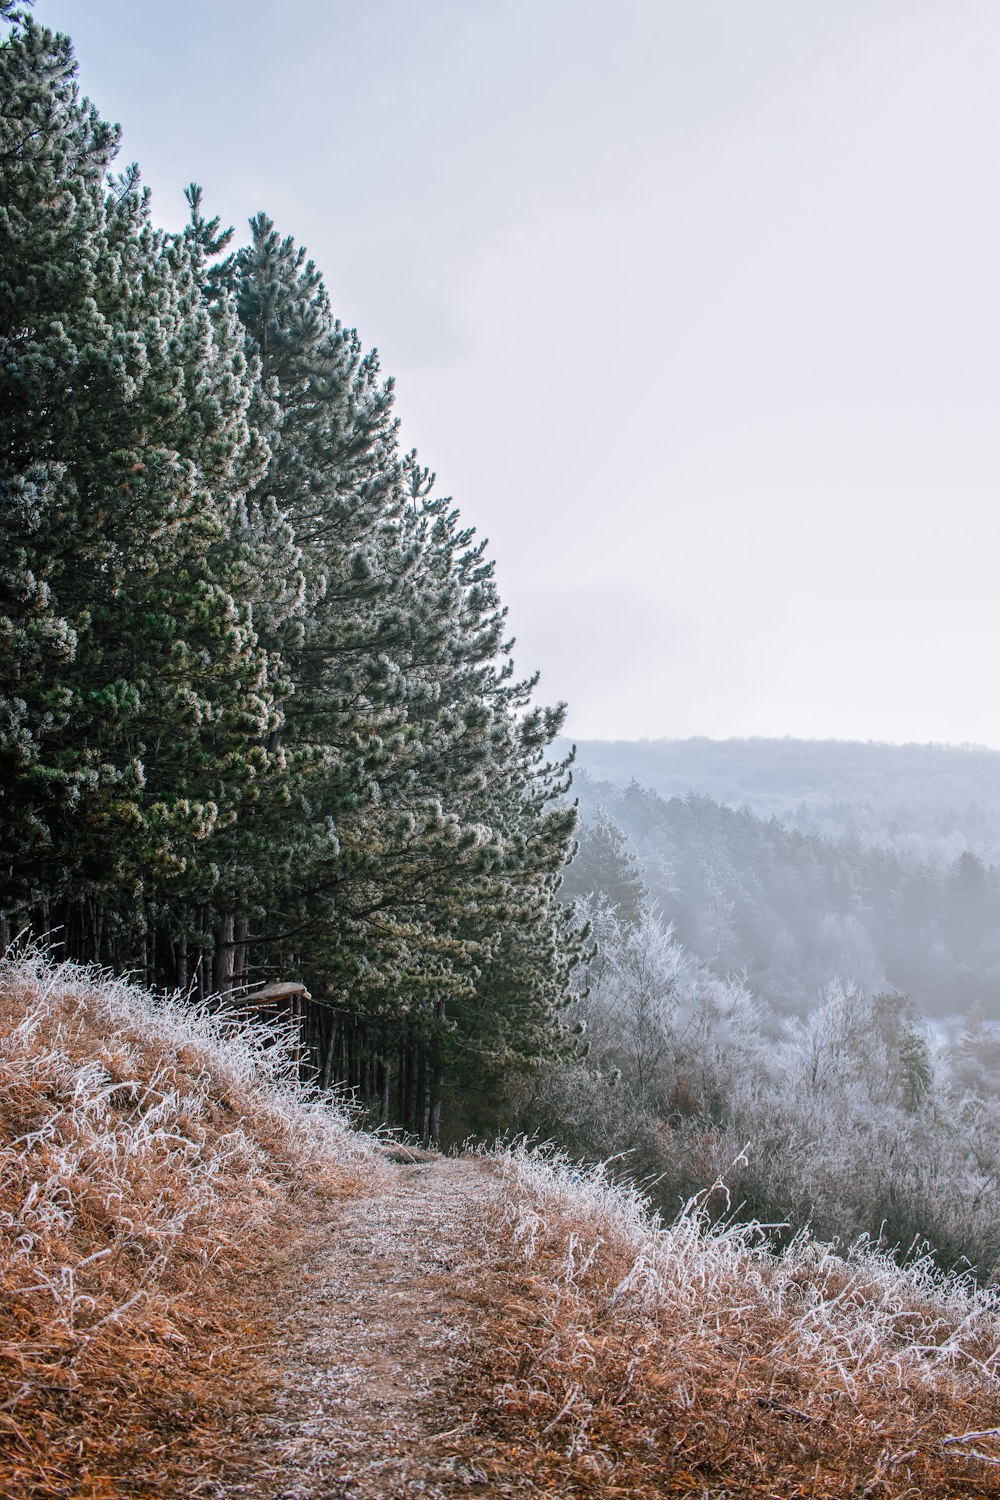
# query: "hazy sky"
{"type": "Point", "coordinates": [692, 304]}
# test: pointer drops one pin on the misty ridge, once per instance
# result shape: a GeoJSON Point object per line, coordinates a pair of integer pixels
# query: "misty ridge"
{"type": "Point", "coordinates": [797, 864]}
{"type": "Point", "coordinates": [928, 803]}
{"type": "Point", "coordinates": [807, 1022]}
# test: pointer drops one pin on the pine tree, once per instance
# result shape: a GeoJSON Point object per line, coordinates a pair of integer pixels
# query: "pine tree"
{"type": "Point", "coordinates": [257, 700]}
{"type": "Point", "coordinates": [134, 695]}
{"type": "Point", "coordinates": [607, 867]}
{"type": "Point", "coordinates": [411, 745]}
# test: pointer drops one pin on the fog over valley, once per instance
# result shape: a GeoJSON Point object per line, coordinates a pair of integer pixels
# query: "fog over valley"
{"type": "Point", "coordinates": [929, 802]}
{"type": "Point", "coordinates": [800, 865]}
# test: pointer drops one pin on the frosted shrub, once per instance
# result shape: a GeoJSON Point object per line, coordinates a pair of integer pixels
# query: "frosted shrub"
{"type": "Point", "coordinates": [847, 1121]}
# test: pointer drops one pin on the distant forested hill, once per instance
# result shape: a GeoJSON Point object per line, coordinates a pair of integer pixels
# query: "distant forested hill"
{"type": "Point", "coordinates": [794, 910]}
{"type": "Point", "coordinates": [924, 801]}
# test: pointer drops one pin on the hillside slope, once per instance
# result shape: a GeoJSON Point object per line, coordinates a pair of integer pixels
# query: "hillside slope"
{"type": "Point", "coordinates": [796, 912]}
{"type": "Point", "coordinates": [923, 801]}
{"type": "Point", "coordinates": [158, 1177]}
{"type": "Point", "coordinates": [213, 1287]}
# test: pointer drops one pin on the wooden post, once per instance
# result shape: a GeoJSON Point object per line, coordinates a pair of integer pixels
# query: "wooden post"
{"type": "Point", "coordinates": [290, 997]}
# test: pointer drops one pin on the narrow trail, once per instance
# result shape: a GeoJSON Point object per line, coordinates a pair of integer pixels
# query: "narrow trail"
{"type": "Point", "coordinates": [367, 1344]}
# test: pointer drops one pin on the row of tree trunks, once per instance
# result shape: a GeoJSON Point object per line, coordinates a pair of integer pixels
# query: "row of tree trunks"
{"type": "Point", "coordinates": [229, 957]}
{"type": "Point", "coordinates": [395, 1072]}
{"type": "Point", "coordinates": [394, 1069]}
{"type": "Point", "coordinates": [214, 963]}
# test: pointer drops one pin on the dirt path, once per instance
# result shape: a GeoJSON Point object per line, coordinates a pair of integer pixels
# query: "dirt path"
{"type": "Point", "coordinates": [368, 1340]}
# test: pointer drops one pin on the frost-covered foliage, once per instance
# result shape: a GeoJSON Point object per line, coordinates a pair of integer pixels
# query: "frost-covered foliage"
{"type": "Point", "coordinates": [152, 1158]}
{"type": "Point", "coordinates": [259, 715]}
{"type": "Point", "coordinates": [848, 1120]}
{"type": "Point", "coordinates": [630, 1356]}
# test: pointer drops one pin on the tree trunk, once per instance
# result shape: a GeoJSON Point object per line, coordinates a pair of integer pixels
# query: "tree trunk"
{"type": "Point", "coordinates": [424, 1096]}
{"type": "Point", "coordinates": [326, 1071]}
{"type": "Point", "coordinates": [295, 1013]}
{"type": "Point", "coordinates": [436, 1079]}
{"type": "Point", "coordinates": [241, 931]}
{"type": "Point", "coordinates": [382, 1088]}
{"type": "Point", "coordinates": [410, 1120]}
{"type": "Point", "coordinates": [180, 947]}
{"type": "Point", "coordinates": [224, 957]}
{"type": "Point", "coordinates": [401, 1082]}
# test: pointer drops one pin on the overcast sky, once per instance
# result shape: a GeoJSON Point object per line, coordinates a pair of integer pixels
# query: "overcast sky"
{"type": "Point", "coordinates": [692, 304]}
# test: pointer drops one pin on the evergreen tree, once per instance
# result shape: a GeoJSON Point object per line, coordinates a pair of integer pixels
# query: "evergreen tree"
{"type": "Point", "coordinates": [134, 695]}
{"type": "Point", "coordinates": [412, 747]}
{"type": "Point", "coordinates": [257, 700]}
{"type": "Point", "coordinates": [608, 868]}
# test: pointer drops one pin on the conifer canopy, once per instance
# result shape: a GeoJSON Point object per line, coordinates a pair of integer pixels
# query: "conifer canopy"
{"type": "Point", "coordinates": [258, 710]}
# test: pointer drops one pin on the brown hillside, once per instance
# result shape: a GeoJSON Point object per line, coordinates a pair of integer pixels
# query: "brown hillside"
{"type": "Point", "coordinates": [157, 1177]}
{"type": "Point", "coordinates": [213, 1287]}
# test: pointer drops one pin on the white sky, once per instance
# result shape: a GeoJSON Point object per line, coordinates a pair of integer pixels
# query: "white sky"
{"type": "Point", "coordinates": [692, 304]}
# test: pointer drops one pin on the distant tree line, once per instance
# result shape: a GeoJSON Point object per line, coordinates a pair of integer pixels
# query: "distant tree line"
{"type": "Point", "coordinates": [258, 711]}
{"type": "Point", "coordinates": [926, 803]}
{"type": "Point", "coordinates": [792, 911]}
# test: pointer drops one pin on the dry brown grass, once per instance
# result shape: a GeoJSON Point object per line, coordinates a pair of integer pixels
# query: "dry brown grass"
{"type": "Point", "coordinates": [161, 1186]}
{"type": "Point", "coordinates": [616, 1357]}
{"type": "Point", "coordinates": [156, 1175]}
